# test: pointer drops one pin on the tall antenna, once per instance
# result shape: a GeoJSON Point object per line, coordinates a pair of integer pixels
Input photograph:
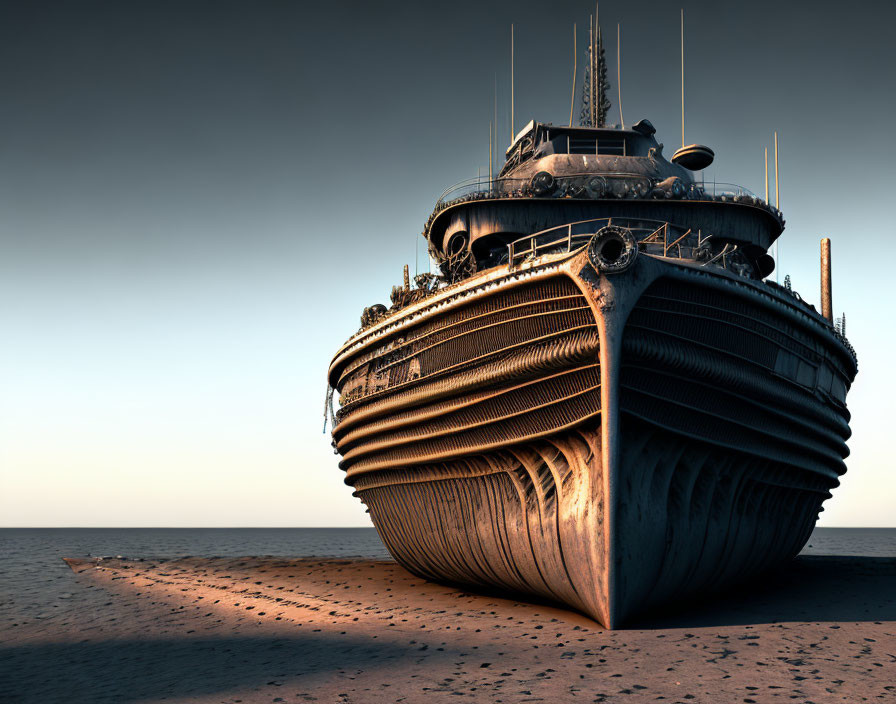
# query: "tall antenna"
{"type": "Point", "coordinates": [682, 76]}
{"type": "Point", "coordinates": [619, 70]}
{"type": "Point", "coordinates": [490, 172]}
{"type": "Point", "coordinates": [777, 200]}
{"type": "Point", "coordinates": [777, 204]}
{"type": "Point", "coordinates": [511, 83]}
{"type": "Point", "coordinates": [496, 112]}
{"type": "Point", "coordinates": [575, 68]}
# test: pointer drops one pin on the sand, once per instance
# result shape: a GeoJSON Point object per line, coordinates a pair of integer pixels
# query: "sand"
{"type": "Point", "coordinates": [276, 630]}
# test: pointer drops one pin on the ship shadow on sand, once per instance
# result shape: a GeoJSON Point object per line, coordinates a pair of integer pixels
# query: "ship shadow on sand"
{"type": "Point", "coordinates": [178, 668]}
{"type": "Point", "coordinates": [811, 588]}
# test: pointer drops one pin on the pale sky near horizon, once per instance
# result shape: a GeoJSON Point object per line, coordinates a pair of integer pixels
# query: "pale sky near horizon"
{"type": "Point", "coordinates": [197, 199]}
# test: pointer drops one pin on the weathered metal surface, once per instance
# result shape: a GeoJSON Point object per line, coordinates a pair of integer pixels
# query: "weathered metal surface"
{"type": "Point", "coordinates": [605, 440]}
{"type": "Point", "coordinates": [491, 221]}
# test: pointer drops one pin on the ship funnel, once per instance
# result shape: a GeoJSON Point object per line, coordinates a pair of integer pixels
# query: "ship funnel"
{"type": "Point", "coordinates": [826, 302]}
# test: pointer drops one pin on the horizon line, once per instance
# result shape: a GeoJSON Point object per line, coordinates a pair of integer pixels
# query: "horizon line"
{"type": "Point", "coordinates": [305, 527]}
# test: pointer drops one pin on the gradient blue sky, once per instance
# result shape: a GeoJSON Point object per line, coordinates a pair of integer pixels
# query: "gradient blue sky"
{"type": "Point", "coordinates": [198, 198]}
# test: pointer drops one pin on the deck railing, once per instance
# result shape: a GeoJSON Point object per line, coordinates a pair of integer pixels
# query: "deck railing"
{"type": "Point", "coordinates": [654, 236]}
{"type": "Point", "coordinates": [588, 185]}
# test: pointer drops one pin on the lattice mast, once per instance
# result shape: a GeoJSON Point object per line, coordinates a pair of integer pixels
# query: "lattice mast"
{"type": "Point", "coordinates": [595, 103]}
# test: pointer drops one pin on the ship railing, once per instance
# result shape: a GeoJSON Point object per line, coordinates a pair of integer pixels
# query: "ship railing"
{"type": "Point", "coordinates": [653, 237]}
{"type": "Point", "coordinates": [617, 183]}
{"type": "Point", "coordinates": [480, 187]}
{"type": "Point", "coordinates": [591, 185]}
{"type": "Point", "coordinates": [718, 189]}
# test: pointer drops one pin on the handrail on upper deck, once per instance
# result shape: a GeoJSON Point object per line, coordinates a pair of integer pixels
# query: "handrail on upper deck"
{"type": "Point", "coordinates": [540, 242]}
{"type": "Point", "coordinates": [484, 186]}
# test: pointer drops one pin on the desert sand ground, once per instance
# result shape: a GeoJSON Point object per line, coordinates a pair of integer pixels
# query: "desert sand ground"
{"type": "Point", "coordinates": [355, 631]}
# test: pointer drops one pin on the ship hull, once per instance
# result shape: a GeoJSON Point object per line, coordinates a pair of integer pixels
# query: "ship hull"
{"type": "Point", "coordinates": [609, 442]}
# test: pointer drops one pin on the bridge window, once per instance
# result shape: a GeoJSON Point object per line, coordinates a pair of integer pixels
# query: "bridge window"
{"type": "Point", "coordinates": [590, 145]}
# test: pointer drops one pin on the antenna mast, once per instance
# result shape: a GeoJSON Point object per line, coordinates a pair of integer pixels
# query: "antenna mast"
{"type": "Point", "coordinates": [511, 84]}
{"type": "Point", "coordinates": [595, 68]}
{"type": "Point", "coordinates": [766, 174]}
{"type": "Point", "coordinates": [682, 76]}
{"type": "Point", "coordinates": [575, 67]}
{"type": "Point", "coordinates": [496, 113]}
{"type": "Point", "coordinates": [777, 205]}
{"type": "Point", "coordinates": [595, 104]}
{"type": "Point", "coordinates": [619, 70]}
{"type": "Point", "coordinates": [777, 201]}
{"type": "Point", "coordinates": [589, 72]}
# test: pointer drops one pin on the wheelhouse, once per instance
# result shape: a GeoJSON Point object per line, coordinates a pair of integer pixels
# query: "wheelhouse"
{"type": "Point", "coordinates": [537, 140]}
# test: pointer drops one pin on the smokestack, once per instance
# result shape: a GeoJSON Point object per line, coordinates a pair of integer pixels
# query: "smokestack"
{"type": "Point", "coordinates": [826, 303]}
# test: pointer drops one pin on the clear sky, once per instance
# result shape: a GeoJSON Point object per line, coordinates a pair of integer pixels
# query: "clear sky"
{"type": "Point", "coordinates": [198, 198]}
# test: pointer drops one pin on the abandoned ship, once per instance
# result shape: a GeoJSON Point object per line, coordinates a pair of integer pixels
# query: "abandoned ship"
{"type": "Point", "coordinates": [600, 399]}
